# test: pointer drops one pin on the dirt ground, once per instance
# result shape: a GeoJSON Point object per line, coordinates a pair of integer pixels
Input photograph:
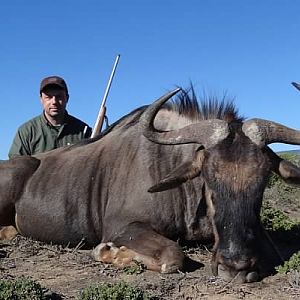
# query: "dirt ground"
{"type": "Point", "coordinates": [64, 271]}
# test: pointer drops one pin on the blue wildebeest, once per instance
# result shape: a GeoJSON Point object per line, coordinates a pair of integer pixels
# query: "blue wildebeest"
{"type": "Point", "coordinates": [204, 166]}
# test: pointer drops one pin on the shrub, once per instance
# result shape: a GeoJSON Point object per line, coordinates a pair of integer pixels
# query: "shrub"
{"type": "Point", "coordinates": [276, 220]}
{"type": "Point", "coordinates": [136, 268]}
{"type": "Point", "coordinates": [24, 289]}
{"type": "Point", "coordinates": [20, 289]}
{"type": "Point", "coordinates": [117, 291]}
{"type": "Point", "coordinates": [293, 264]}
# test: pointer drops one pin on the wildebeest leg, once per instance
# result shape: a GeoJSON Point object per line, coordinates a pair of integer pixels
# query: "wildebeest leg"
{"type": "Point", "coordinates": [140, 243]}
{"type": "Point", "coordinates": [14, 174]}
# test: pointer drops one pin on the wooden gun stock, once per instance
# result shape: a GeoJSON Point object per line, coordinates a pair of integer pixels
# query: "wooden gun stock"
{"type": "Point", "coordinates": [98, 126]}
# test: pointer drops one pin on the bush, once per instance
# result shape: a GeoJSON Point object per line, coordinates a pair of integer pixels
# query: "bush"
{"type": "Point", "coordinates": [117, 291]}
{"type": "Point", "coordinates": [275, 220]}
{"type": "Point", "coordinates": [293, 264]}
{"type": "Point", "coordinates": [136, 268]}
{"type": "Point", "coordinates": [20, 289]}
{"type": "Point", "coordinates": [24, 289]}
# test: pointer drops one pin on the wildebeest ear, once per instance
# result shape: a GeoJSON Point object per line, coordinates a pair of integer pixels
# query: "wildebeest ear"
{"type": "Point", "coordinates": [289, 172]}
{"type": "Point", "coordinates": [186, 171]}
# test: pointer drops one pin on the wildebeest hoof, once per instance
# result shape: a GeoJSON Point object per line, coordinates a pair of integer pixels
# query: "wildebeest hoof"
{"type": "Point", "coordinates": [8, 232]}
{"type": "Point", "coordinates": [104, 252]}
{"type": "Point", "coordinates": [118, 256]}
{"type": "Point", "coordinates": [123, 256]}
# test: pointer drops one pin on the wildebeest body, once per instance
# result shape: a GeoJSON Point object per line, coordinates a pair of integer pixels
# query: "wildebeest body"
{"type": "Point", "coordinates": [210, 167]}
{"type": "Point", "coordinates": [93, 191]}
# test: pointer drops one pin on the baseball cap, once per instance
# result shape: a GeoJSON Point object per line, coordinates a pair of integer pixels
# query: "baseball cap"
{"type": "Point", "coordinates": [53, 80]}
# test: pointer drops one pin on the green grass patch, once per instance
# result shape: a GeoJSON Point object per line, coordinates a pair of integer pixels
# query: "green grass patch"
{"type": "Point", "coordinates": [22, 289]}
{"type": "Point", "coordinates": [276, 220]}
{"type": "Point", "coordinates": [293, 264]}
{"type": "Point", "coordinates": [117, 291]}
{"type": "Point", "coordinates": [136, 268]}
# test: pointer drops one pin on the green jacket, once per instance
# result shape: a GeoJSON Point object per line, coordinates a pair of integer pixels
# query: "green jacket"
{"type": "Point", "coordinates": [38, 135]}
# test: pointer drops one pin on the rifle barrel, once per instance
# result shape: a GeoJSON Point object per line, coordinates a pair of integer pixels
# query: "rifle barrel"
{"type": "Point", "coordinates": [99, 122]}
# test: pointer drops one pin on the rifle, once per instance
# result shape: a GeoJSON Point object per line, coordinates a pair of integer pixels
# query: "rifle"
{"type": "Point", "coordinates": [101, 115]}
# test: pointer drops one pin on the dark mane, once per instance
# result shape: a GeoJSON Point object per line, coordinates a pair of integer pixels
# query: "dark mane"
{"type": "Point", "coordinates": [187, 104]}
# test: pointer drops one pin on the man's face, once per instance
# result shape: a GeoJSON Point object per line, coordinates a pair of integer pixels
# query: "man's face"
{"type": "Point", "coordinates": [54, 100]}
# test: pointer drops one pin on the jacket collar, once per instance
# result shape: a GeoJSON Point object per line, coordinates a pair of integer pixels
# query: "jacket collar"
{"type": "Point", "coordinates": [45, 120]}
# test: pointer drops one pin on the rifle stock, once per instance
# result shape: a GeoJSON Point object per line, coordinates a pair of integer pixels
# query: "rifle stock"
{"type": "Point", "coordinates": [98, 126]}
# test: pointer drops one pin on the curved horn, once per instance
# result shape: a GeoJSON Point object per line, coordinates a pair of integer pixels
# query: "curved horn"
{"type": "Point", "coordinates": [206, 132]}
{"type": "Point", "coordinates": [296, 85]}
{"type": "Point", "coordinates": [264, 132]}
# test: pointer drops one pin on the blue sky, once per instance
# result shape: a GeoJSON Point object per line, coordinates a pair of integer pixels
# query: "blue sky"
{"type": "Point", "coordinates": [249, 49]}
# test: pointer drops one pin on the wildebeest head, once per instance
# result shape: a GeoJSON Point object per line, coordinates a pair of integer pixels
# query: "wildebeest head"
{"type": "Point", "coordinates": [235, 162]}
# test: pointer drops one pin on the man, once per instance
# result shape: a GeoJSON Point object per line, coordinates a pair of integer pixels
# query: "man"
{"type": "Point", "coordinates": [52, 129]}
